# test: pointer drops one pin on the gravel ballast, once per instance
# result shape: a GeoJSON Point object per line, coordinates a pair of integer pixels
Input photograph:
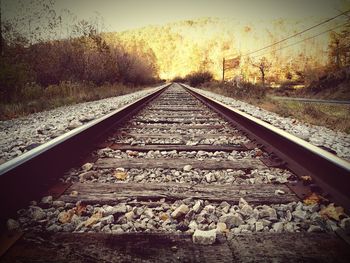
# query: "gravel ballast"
{"type": "Point", "coordinates": [316, 135]}
{"type": "Point", "coordinates": [18, 136]}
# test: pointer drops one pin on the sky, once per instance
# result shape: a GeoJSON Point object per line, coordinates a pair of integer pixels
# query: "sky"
{"type": "Point", "coordinates": [120, 15]}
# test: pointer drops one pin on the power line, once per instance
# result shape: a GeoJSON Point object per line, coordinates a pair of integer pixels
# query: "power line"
{"type": "Point", "coordinates": [298, 33]}
{"type": "Point", "coordinates": [295, 43]}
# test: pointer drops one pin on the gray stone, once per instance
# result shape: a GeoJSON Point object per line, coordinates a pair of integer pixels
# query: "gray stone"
{"type": "Point", "coordinates": [38, 213]}
{"type": "Point", "coordinates": [289, 227]}
{"type": "Point", "coordinates": [278, 227]}
{"type": "Point", "coordinates": [288, 216]}
{"type": "Point", "coordinates": [187, 168]}
{"type": "Point", "coordinates": [231, 220]}
{"type": "Point", "coordinates": [314, 228]}
{"type": "Point", "coordinates": [204, 237]}
{"type": "Point", "coordinates": [86, 176]}
{"type": "Point", "coordinates": [107, 220]}
{"type": "Point", "coordinates": [47, 200]}
{"type": "Point", "coordinates": [54, 228]}
{"type": "Point", "coordinates": [345, 224]}
{"type": "Point", "coordinates": [209, 208]}
{"type": "Point", "coordinates": [12, 224]}
{"type": "Point", "coordinates": [117, 210]}
{"type": "Point", "coordinates": [246, 210]}
{"type": "Point", "coordinates": [268, 212]}
{"type": "Point", "coordinates": [74, 124]}
{"type": "Point", "coordinates": [58, 203]}
{"type": "Point", "coordinates": [117, 231]}
{"type": "Point", "coordinates": [299, 214]}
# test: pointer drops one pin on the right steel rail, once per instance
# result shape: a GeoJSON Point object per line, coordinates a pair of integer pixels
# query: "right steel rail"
{"type": "Point", "coordinates": [330, 172]}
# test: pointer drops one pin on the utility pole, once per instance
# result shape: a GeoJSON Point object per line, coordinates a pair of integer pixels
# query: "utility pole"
{"type": "Point", "coordinates": [223, 69]}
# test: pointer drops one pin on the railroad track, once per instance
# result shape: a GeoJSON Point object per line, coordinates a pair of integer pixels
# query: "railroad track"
{"type": "Point", "coordinates": [168, 179]}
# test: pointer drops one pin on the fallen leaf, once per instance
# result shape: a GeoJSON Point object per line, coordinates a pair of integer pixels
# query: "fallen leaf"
{"type": "Point", "coordinates": [93, 219]}
{"type": "Point", "coordinates": [120, 175]}
{"type": "Point", "coordinates": [332, 212]}
{"type": "Point", "coordinates": [312, 199]}
{"type": "Point", "coordinates": [132, 153]}
{"type": "Point", "coordinates": [164, 216]}
{"type": "Point", "coordinates": [80, 209]}
{"type": "Point", "coordinates": [306, 178]}
{"type": "Point", "coordinates": [258, 152]}
{"type": "Point", "coordinates": [65, 216]}
{"type": "Point", "coordinates": [74, 193]}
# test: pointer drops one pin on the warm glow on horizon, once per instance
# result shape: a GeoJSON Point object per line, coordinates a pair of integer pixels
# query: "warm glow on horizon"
{"type": "Point", "coordinates": [184, 47]}
{"type": "Point", "coordinates": [186, 36]}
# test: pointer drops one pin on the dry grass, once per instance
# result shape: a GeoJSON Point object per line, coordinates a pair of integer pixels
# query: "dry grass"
{"type": "Point", "coordinates": [335, 117]}
{"type": "Point", "coordinates": [35, 98]}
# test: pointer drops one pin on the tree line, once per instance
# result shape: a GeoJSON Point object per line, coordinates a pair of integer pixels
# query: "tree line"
{"type": "Point", "coordinates": [36, 56]}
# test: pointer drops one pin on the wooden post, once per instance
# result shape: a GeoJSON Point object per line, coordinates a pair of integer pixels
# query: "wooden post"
{"type": "Point", "coordinates": [223, 69]}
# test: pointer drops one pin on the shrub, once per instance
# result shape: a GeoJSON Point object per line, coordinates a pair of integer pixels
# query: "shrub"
{"type": "Point", "coordinates": [197, 78]}
{"type": "Point", "coordinates": [13, 78]}
{"type": "Point", "coordinates": [178, 79]}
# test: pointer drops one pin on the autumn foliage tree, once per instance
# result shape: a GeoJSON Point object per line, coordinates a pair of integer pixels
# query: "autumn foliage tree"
{"type": "Point", "coordinates": [263, 65]}
{"type": "Point", "coordinates": [83, 55]}
{"type": "Point", "coordinates": [339, 48]}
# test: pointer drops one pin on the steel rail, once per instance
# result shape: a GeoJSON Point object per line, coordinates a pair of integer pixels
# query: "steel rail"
{"type": "Point", "coordinates": [330, 172]}
{"type": "Point", "coordinates": [27, 176]}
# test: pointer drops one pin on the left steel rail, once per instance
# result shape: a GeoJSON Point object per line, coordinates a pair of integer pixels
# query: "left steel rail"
{"type": "Point", "coordinates": [27, 176]}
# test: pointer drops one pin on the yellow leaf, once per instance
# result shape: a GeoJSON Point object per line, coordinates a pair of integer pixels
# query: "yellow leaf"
{"type": "Point", "coordinates": [164, 216]}
{"type": "Point", "coordinates": [120, 175]}
{"type": "Point", "coordinates": [332, 212]}
{"type": "Point", "coordinates": [312, 199]}
{"type": "Point", "coordinates": [93, 219]}
{"type": "Point", "coordinates": [306, 178]}
{"type": "Point", "coordinates": [65, 217]}
{"type": "Point", "coordinates": [132, 153]}
{"type": "Point", "coordinates": [74, 193]}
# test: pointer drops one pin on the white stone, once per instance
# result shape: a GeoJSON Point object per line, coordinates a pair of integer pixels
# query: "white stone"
{"type": "Point", "coordinates": [187, 168]}
{"type": "Point", "coordinates": [242, 202]}
{"type": "Point", "coordinates": [278, 227]}
{"type": "Point", "coordinates": [180, 211]}
{"type": "Point", "coordinates": [221, 227]}
{"type": "Point", "coordinates": [193, 225]}
{"type": "Point", "coordinates": [47, 200]}
{"type": "Point", "coordinates": [259, 226]}
{"type": "Point", "coordinates": [204, 237]}
{"type": "Point", "coordinates": [197, 206]}
{"type": "Point", "coordinates": [279, 192]}
{"type": "Point", "coordinates": [87, 166]}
